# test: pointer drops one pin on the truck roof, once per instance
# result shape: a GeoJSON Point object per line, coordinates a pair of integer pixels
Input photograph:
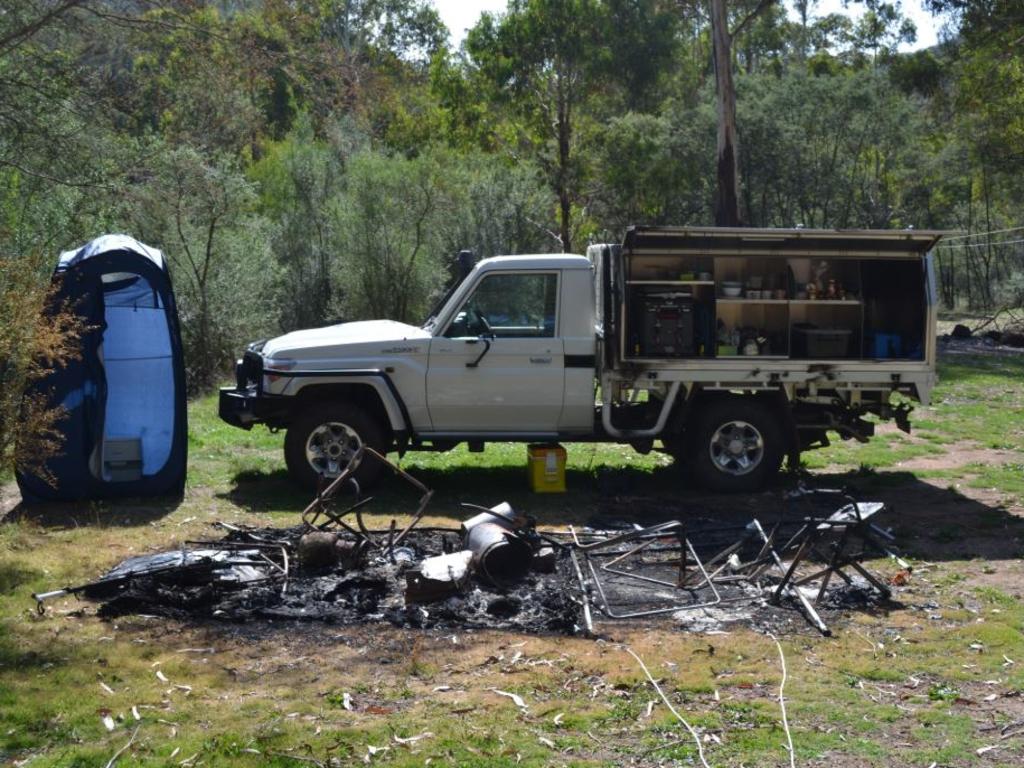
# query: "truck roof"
{"type": "Point", "coordinates": [536, 261]}
{"type": "Point", "coordinates": [782, 242]}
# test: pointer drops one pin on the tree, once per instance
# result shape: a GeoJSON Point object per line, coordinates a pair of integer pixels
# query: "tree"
{"type": "Point", "coordinates": [199, 210]}
{"type": "Point", "coordinates": [881, 29]}
{"type": "Point", "coordinates": [540, 60]}
{"type": "Point", "coordinates": [408, 29]}
{"type": "Point", "coordinates": [642, 38]}
{"type": "Point", "coordinates": [727, 186]}
{"type": "Point", "coordinates": [299, 178]}
{"type": "Point", "coordinates": [499, 207]}
{"type": "Point", "coordinates": [42, 123]}
{"type": "Point", "coordinates": [991, 83]}
{"type": "Point", "coordinates": [54, 168]}
{"type": "Point", "coordinates": [389, 249]}
{"type": "Point", "coordinates": [830, 151]}
{"type": "Point", "coordinates": [191, 82]}
{"type": "Point", "coordinates": [656, 169]}
{"type": "Point", "coordinates": [556, 68]}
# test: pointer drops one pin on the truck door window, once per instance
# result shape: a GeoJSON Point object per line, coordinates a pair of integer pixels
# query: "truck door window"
{"type": "Point", "coordinates": [510, 307]}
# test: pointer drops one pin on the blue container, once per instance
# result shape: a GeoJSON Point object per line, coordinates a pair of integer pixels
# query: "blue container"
{"type": "Point", "coordinates": [887, 345]}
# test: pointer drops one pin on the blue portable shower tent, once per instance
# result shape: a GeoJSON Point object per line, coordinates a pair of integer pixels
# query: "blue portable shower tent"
{"type": "Point", "coordinates": [125, 431]}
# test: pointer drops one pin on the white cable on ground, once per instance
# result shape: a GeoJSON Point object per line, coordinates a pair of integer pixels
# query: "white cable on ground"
{"type": "Point", "coordinates": [664, 698]}
{"type": "Point", "coordinates": [122, 750]}
{"type": "Point", "coordinates": [782, 703]}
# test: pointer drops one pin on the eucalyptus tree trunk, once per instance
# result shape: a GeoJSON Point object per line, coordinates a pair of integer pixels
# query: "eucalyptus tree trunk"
{"type": "Point", "coordinates": [564, 121]}
{"type": "Point", "coordinates": [727, 200]}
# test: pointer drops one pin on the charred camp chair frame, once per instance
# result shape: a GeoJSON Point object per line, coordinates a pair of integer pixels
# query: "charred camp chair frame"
{"type": "Point", "coordinates": [827, 536]}
{"type": "Point", "coordinates": [830, 540]}
{"type": "Point", "coordinates": [320, 505]}
{"type": "Point", "coordinates": [647, 537]}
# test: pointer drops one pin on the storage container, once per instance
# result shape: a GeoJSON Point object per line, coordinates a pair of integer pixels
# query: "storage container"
{"type": "Point", "coordinates": [821, 342]}
{"type": "Point", "coordinates": [887, 345]}
{"type": "Point", "coordinates": [546, 464]}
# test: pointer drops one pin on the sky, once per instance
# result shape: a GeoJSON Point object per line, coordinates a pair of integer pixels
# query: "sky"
{"type": "Point", "coordinates": [460, 15]}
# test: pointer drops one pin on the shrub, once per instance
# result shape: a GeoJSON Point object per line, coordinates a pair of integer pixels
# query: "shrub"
{"type": "Point", "coordinates": [31, 344]}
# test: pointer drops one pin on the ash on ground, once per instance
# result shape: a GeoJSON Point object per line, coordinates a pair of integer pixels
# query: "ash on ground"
{"type": "Point", "coordinates": [373, 592]}
{"type": "Point", "coordinates": [497, 571]}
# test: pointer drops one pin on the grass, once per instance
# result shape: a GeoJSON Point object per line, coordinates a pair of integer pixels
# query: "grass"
{"type": "Point", "coordinates": [902, 687]}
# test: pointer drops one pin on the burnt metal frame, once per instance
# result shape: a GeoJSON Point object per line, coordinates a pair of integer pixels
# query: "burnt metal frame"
{"type": "Point", "coordinates": [656, 531]}
{"type": "Point", "coordinates": [750, 572]}
{"type": "Point", "coordinates": [789, 589]}
{"type": "Point", "coordinates": [648, 536]}
{"type": "Point", "coordinates": [319, 506]}
{"type": "Point", "coordinates": [851, 521]}
{"type": "Point", "coordinates": [284, 567]}
{"type": "Point", "coordinates": [588, 618]}
{"type": "Point", "coordinates": [204, 563]}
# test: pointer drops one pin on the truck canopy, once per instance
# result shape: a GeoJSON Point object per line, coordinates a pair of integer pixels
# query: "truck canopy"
{"type": "Point", "coordinates": [863, 243]}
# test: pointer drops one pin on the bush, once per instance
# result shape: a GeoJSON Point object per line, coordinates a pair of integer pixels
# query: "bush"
{"type": "Point", "coordinates": [31, 344]}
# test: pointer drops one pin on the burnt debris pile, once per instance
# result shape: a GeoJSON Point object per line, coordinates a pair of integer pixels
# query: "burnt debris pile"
{"type": "Point", "coordinates": [298, 574]}
{"type": "Point", "coordinates": [706, 574]}
{"type": "Point", "coordinates": [497, 570]}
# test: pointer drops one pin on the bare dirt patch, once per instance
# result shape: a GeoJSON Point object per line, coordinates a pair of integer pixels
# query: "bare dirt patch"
{"type": "Point", "coordinates": [958, 455]}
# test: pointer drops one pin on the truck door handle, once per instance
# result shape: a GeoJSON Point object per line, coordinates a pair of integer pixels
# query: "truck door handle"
{"type": "Point", "coordinates": [487, 348]}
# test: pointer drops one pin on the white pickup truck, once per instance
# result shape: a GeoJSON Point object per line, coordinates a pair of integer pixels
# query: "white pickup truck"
{"type": "Point", "coordinates": [730, 349]}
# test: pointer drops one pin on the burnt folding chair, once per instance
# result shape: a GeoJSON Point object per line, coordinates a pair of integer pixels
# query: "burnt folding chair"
{"type": "Point", "coordinates": [840, 541]}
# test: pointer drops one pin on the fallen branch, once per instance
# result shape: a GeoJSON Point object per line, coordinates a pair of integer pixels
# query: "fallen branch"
{"type": "Point", "coordinates": [664, 698]}
{"type": "Point", "coordinates": [1012, 729]}
{"type": "Point", "coordinates": [782, 703]}
{"type": "Point", "coordinates": [987, 322]}
{"type": "Point", "coordinates": [122, 750]}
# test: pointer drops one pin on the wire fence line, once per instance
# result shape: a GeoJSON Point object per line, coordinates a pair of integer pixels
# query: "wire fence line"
{"type": "Point", "coordinates": [983, 274]}
{"type": "Point", "coordinates": [982, 245]}
{"type": "Point", "coordinates": [982, 234]}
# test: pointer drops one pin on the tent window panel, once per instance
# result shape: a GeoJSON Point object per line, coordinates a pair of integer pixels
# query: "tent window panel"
{"type": "Point", "coordinates": [127, 290]}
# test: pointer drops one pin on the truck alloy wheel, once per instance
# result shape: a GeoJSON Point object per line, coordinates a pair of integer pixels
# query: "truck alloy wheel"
{"type": "Point", "coordinates": [737, 448]}
{"type": "Point", "coordinates": [734, 445]}
{"type": "Point", "coordinates": [324, 436]}
{"type": "Point", "coordinates": [330, 447]}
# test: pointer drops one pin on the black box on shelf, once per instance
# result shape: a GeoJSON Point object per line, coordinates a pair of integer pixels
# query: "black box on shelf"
{"type": "Point", "coordinates": [809, 341]}
{"type": "Point", "coordinates": [667, 325]}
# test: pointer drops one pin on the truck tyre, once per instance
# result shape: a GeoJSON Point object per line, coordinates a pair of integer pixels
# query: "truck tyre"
{"type": "Point", "coordinates": [734, 445]}
{"type": "Point", "coordinates": [322, 439]}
